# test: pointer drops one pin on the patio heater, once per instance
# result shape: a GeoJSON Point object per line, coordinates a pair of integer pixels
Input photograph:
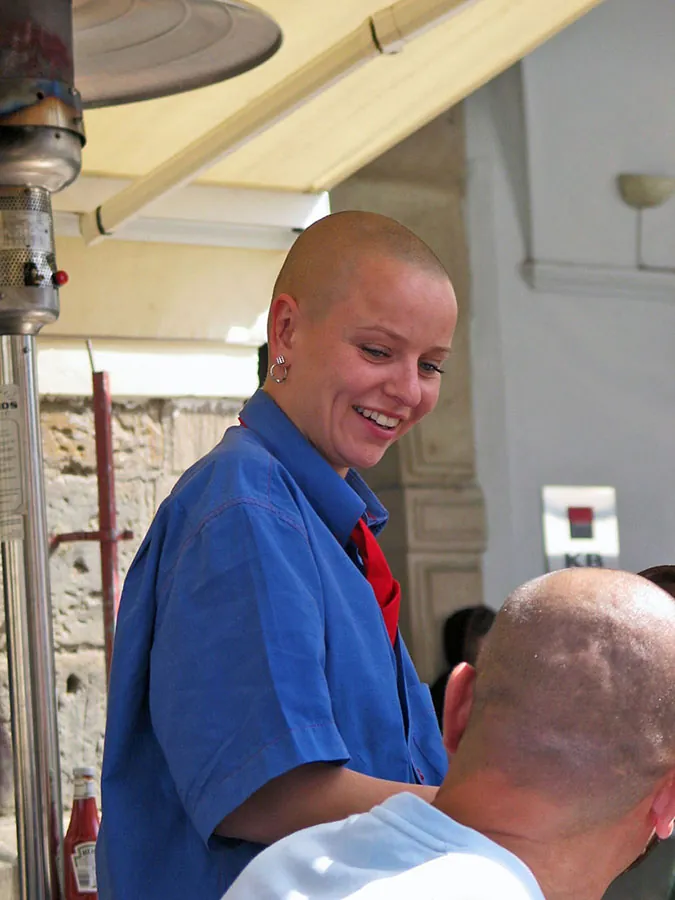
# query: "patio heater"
{"type": "Point", "coordinates": [57, 56]}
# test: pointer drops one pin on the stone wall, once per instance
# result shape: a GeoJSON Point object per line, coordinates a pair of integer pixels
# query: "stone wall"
{"type": "Point", "coordinates": [154, 442]}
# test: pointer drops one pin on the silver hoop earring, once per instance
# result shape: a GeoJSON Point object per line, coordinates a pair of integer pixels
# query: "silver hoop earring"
{"type": "Point", "coordinates": [280, 363]}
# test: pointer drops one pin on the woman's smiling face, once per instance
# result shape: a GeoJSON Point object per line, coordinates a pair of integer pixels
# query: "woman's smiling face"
{"type": "Point", "coordinates": [366, 370]}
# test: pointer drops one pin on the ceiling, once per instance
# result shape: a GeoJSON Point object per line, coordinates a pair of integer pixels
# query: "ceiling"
{"type": "Point", "coordinates": [347, 125]}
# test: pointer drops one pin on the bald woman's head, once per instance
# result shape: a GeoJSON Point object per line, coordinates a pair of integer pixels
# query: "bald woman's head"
{"type": "Point", "coordinates": [575, 692]}
{"type": "Point", "coordinates": [322, 262]}
{"type": "Point", "coordinates": [360, 326]}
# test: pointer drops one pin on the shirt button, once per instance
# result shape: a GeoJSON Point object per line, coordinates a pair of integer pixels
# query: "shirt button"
{"type": "Point", "coordinates": [420, 776]}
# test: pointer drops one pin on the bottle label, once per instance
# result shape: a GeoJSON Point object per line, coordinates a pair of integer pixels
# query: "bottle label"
{"type": "Point", "coordinates": [83, 789]}
{"type": "Point", "coordinates": [84, 864]}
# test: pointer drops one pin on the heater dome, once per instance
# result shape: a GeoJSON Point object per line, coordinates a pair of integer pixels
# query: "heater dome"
{"type": "Point", "coordinates": [127, 50]}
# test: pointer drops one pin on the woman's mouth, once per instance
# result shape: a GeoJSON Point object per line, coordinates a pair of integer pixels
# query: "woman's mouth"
{"type": "Point", "coordinates": [389, 423]}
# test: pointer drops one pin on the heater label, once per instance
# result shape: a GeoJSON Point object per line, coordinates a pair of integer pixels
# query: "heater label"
{"type": "Point", "coordinates": [25, 230]}
{"type": "Point", "coordinates": [11, 482]}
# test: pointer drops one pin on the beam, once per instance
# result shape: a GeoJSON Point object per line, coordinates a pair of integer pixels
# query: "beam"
{"type": "Point", "coordinates": [382, 33]}
{"type": "Point", "coordinates": [481, 41]}
{"type": "Point", "coordinates": [203, 215]}
{"type": "Point", "coordinates": [391, 97]}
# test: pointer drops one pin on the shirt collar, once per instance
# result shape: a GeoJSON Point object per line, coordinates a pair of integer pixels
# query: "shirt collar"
{"type": "Point", "coordinates": [340, 502]}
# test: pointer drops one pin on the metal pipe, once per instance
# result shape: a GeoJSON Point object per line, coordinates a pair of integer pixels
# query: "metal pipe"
{"type": "Point", "coordinates": [41, 137]}
{"type": "Point", "coordinates": [384, 32]}
{"type": "Point", "coordinates": [21, 711]}
{"type": "Point", "coordinates": [23, 537]}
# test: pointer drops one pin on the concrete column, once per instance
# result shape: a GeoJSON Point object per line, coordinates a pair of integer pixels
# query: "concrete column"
{"type": "Point", "coordinates": [436, 533]}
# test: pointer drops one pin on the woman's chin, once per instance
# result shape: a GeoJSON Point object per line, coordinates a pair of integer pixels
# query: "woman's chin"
{"type": "Point", "coordinates": [354, 455]}
{"type": "Point", "coordinates": [366, 458]}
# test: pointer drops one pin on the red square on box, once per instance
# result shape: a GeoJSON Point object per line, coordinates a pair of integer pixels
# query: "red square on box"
{"type": "Point", "coordinates": [581, 521]}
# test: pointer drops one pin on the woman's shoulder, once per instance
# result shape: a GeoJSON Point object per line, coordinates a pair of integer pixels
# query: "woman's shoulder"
{"type": "Point", "coordinates": [239, 470]}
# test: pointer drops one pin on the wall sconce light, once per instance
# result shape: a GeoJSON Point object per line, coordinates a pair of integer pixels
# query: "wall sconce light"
{"type": "Point", "coordinates": [645, 191]}
{"type": "Point", "coordinates": [642, 192]}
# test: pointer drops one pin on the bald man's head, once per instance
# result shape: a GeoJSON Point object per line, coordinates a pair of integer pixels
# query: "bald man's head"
{"type": "Point", "coordinates": [325, 258]}
{"type": "Point", "coordinates": [575, 692]}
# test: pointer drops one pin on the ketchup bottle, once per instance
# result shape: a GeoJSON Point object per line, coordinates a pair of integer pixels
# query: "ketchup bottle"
{"type": "Point", "coordinates": [79, 845]}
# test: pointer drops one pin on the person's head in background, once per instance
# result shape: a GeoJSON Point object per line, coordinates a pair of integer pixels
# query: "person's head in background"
{"type": "Point", "coordinates": [463, 634]}
{"type": "Point", "coordinates": [664, 576]}
{"type": "Point", "coordinates": [263, 363]}
{"type": "Point", "coordinates": [563, 737]}
{"type": "Point", "coordinates": [360, 325]}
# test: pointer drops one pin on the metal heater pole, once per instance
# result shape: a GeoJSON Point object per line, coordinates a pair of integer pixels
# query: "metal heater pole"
{"type": "Point", "coordinates": [41, 140]}
{"type": "Point", "coordinates": [29, 625]}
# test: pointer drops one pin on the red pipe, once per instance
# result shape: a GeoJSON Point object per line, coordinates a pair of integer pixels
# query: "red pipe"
{"type": "Point", "coordinates": [69, 536]}
{"type": "Point", "coordinates": [107, 534]}
{"type": "Point", "coordinates": [107, 514]}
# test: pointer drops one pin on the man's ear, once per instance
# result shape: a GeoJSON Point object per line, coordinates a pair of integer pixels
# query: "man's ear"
{"type": "Point", "coordinates": [663, 808]}
{"type": "Point", "coordinates": [283, 322]}
{"type": "Point", "coordinates": [458, 704]}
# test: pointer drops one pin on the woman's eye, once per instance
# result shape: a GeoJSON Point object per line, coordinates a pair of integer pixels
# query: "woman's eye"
{"type": "Point", "coordinates": [431, 368]}
{"type": "Point", "coordinates": [375, 352]}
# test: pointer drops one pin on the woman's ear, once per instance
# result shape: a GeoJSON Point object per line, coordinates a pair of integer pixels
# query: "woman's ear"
{"type": "Point", "coordinates": [283, 323]}
{"type": "Point", "coordinates": [458, 704]}
{"type": "Point", "coordinates": [663, 808]}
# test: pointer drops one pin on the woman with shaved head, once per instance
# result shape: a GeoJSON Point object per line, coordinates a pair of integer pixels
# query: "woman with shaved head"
{"type": "Point", "coordinates": [259, 683]}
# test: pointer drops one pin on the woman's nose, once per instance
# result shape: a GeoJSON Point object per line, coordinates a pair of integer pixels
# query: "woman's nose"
{"type": "Point", "coordinates": [405, 387]}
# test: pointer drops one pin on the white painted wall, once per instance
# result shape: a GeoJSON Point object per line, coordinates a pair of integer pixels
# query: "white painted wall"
{"type": "Point", "coordinates": [570, 387]}
{"type": "Point", "coordinates": [176, 302]}
{"type": "Point", "coordinates": [599, 102]}
{"type": "Point", "coordinates": [166, 320]}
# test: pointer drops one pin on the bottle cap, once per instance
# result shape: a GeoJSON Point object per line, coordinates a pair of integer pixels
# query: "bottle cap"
{"type": "Point", "coordinates": [84, 772]}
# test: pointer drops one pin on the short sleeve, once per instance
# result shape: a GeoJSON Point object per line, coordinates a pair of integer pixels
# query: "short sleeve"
{"type": "Point", "coordinates": [238, 693]}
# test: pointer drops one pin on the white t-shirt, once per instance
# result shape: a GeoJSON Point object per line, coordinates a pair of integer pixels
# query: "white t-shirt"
{"type": "Point", "coordinates": [404, 849]}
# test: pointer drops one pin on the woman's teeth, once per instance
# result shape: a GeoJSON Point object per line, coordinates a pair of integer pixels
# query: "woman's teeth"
{"type": "Point", "coordinates": [379, 418]}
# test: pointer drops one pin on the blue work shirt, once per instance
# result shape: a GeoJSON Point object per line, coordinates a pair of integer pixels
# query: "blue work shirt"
{"type": "Point", "coordinates": [248, 643]}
